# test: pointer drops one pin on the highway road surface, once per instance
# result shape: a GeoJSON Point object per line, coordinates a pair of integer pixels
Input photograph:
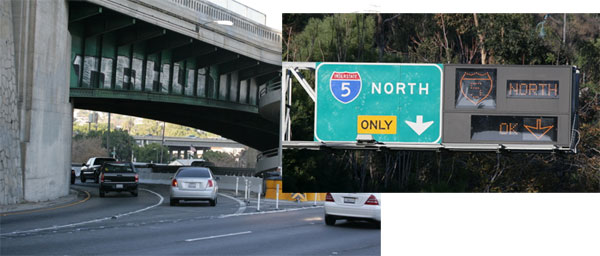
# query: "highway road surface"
{"type": "Point", "coordinates": [120, 224]}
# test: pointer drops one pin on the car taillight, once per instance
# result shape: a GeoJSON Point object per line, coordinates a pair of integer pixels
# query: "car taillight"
{"type": "Point", "coordinates": [137, 178]}
{"type": "Point", "coordinates": [329, 198]}
{"type": "Point", "coordinates": [102, 177]}
{"type": "Point", "coordinates": [210, 183]}
{"type": "Point", "coordinates": [372, 201]}
{"type": "Point", "coordinates": [174, 183]}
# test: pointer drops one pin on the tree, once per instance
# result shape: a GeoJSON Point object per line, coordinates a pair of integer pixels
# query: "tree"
{"type": "Point", "coordinates": [220, 159]}
{"type": "Point", "coordinates": [86, 147]}
{"type": "Point", "coordinates": [150, 153]}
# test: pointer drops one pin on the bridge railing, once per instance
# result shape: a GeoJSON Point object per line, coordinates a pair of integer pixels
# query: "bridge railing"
{"type": "Point", "coordinates": [220, 13]}
{"type": "Point", "coordinates": [270, 87]}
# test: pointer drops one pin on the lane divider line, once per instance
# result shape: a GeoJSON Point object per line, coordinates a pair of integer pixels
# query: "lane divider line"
{"type": "Point", "coordinates": [48, 209]}
{"type": "Point", "coordinates": [268, 212]}
{"type": "Point", "coordinates": [89, 221]}
{"type": "Point", "coordinates": [218, 236]}
{"type": "Point", "coordinates": [242, 207]}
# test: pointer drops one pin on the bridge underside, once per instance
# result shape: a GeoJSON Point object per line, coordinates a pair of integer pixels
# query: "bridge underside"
{"type": "Point", "coordinates": [125, 62]}
{"type": "Point", "coordinates": [244, 127]}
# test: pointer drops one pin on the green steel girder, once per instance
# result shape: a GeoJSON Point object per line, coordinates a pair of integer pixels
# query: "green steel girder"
{"type": "Point", "coordinates": [216, 58]}
{"type": "Point", "coordinates": [167, 42]}
{"type": "Point", "coordinates": [106, 23]}
{"type": "Point", "coordinates": [242, 63]}
{"type": "Point", "coordinates": [260, 70]}
{"type": "Point", "coordinates": [192, 51]}
{"type": "Point", "coordinates": [80, 11]}
{"type": "Point", "coordinates": [138, 33]}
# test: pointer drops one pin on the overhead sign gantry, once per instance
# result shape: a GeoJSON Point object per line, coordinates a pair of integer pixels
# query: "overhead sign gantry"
{"type": "Point", "coordinates": [435, 106]}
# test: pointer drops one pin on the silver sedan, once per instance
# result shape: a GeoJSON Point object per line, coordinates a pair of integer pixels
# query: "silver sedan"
{"type": "Point", "coordinates": [194, 183]}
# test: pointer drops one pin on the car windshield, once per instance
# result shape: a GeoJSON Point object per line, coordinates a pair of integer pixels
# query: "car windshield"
{"type": "Point", "coordinates": [100, 161]}
{"type": "Point", "coordinates": [117, 168]}
{"type": "Point", "coordinates": [194, 173]}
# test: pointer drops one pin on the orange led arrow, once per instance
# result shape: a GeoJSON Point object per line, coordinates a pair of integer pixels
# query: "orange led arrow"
{"type": "Point", "coordinates": [538, 126]}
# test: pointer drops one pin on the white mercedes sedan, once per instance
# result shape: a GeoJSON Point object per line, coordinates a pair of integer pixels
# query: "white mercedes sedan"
{"type": "Point", "coordinates": [352, 206]}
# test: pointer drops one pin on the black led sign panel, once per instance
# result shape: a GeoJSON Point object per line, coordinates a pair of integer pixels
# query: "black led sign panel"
{"type": "Point", "coordinates": [513, 128]}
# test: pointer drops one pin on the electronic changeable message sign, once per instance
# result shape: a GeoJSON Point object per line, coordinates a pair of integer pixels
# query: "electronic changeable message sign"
{"type": "Point", "coordinates": [487, 104]}
{"type": "Point", "coordinates": [392, 102]}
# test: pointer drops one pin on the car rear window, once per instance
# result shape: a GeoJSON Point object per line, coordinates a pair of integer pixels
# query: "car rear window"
{"type": "Point", "coordinates": [100, 161]}
{"type": "Point", "coordinates": [194, 173]}
{"type": "Point", "coordinates": [117, 168]}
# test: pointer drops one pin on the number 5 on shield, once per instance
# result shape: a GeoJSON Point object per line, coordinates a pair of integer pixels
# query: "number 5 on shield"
{"type": "Point", "coordinates": [345, 88]}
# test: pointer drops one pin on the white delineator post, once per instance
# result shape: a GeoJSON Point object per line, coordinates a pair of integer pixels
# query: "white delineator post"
{"type": "Point", "coordinates": [277, 198]}
{"type": "Point", "coordinates": [246, 190]}
{"type": "Point", "coordinates": [315, 203]}
{"type": "Point", "coordinates": [237, 180]}
{"type": "Point", "coordinates": [259, 192]}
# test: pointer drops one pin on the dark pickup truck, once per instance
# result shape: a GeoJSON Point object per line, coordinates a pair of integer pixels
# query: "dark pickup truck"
{"type": "Point", "coordinates": [118, 176]}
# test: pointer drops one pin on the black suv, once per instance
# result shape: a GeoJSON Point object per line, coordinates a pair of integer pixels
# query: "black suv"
{"type": "Point", "coordinates": [118, 176]}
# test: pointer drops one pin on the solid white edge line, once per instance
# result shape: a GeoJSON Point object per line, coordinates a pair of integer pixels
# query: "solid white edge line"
{"type": "Point", "coordinates": [218, 236]}
{"type": "Point", "coordinates": [242, 204]}
{"type": "Point", "coordinates": [90, 221]}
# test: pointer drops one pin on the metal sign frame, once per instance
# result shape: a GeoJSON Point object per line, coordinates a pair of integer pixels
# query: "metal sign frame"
{"type": "Point", "coordinates": [291, 70]}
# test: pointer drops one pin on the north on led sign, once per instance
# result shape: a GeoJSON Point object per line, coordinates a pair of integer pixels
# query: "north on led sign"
{"type": "Point", "coordinates": [539, 89]}
{"type": "Point", "coordinates": [514, 128]}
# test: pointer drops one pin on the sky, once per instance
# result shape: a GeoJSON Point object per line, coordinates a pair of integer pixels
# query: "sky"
{"type": "Point", "coordinates": [273, 9]}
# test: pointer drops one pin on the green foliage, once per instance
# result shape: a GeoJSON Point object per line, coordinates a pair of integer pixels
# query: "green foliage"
{"type": "Point", "coordinates": [220, 159]}
{"type": "Point", "coordinates": [151, 153]}
{"type": "Point", "coordinates": [120, 141]}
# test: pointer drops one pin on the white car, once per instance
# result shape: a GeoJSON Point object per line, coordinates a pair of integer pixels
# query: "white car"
{"type": "Point", "coordinates": [352, 206]}
{"type": "Point", "coordinates": [194, 183]}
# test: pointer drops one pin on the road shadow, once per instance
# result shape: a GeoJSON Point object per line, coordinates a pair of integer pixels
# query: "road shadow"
{"type": "Point", "coordinates": [358, 224]}
{"type": "Point", "coordinates": [193, 204]}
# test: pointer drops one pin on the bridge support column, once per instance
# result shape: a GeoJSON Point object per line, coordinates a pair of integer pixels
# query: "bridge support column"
{"type": "Point", "coordinates": [38, 45]}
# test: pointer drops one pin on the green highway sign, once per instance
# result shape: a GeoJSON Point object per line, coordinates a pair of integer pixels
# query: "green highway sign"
{"type": "Point", "coordinates": [392, 102]}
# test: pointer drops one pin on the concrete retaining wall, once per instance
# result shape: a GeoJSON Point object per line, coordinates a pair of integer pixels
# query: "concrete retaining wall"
{"type": "Point", "coordinates": [11, 174]}
{"type": "Point", "coordinates": [225, 182]}
{"type": "Point", "coordinates": [36, 168]}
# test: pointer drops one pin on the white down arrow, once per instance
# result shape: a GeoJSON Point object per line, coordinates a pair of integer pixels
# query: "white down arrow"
{"type": "Point", "coordinates": [419, 127]}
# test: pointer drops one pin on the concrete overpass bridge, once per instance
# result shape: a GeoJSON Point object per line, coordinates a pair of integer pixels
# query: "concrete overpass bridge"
{"type": "Point", "coordinates": [170, 61]}
{"type": "Point", "coordinates": [181, 145]}
{"type": "Point", "coordinates": [167, 60]}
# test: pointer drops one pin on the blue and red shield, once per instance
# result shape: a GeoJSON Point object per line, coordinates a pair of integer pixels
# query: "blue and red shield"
{"type": "Point", "coordinates": [345, 86]}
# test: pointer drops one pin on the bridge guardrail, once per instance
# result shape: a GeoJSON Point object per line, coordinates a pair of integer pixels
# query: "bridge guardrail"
{"type": "Point", "coordinates": [219, 13]}
{"type": "Point", "coordinates": [269, 88]}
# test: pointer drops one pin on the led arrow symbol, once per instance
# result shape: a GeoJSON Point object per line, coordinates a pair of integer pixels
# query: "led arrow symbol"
{"type": "Point", "coordinates": [419, 127]}
{"type": "Point", "coordinates": [538, 127]}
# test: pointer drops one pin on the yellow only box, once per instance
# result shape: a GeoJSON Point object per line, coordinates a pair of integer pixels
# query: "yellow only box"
{"type": "Point", "coordinates": [271, 193]}
{"type": "Point", "coordinates": [376, 124]}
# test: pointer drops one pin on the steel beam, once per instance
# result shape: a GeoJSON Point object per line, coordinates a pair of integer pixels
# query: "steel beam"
{"type": "Point", "coordinates": [107, 23]}
{"type": "Point", "coordinates": [193, 50]}
{"type": "Point", "coordinates": [242, 63]}
{"type": "Point", "coordinates": [259, 70]}
{"type": "Point", "coordinates": [215, 58]}
{"type": "Point", "coordinates": [79, 12]}
{"type": "Point", "coordinates": [139, 33]}
{"type": "Point", "coordinates": [166, 42]}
